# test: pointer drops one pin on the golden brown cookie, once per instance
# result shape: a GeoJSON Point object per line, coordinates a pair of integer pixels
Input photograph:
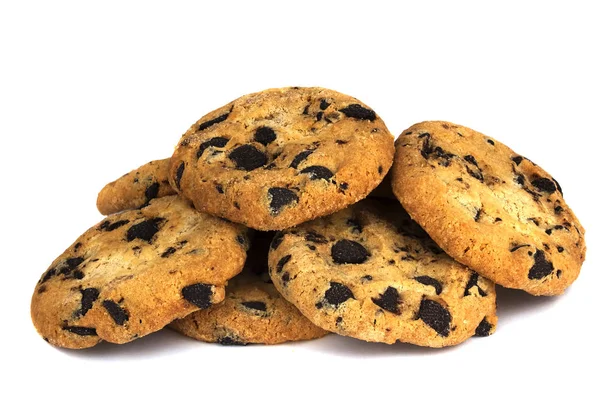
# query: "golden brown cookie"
{"type": "Point", "coordinates": [370, 272]}
{"type": "Point", "coordinates": [488, 207]}
{"type": "Point", "coordinates": [135, 272]}
{"type": "Point", "coordinates": [274, 159]}
{"type": "Point", "coordinates": [136, 188]}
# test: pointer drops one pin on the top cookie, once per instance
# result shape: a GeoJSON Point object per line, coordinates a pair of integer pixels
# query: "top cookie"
{"type": "Point", "coordinates": [135, 272]}
{"type": "Point", "coordinates": [488, 207]}
{"type": "Point", "coordinates": [274, 159]}
{"type": "Point", "coordinates": [136, 188]}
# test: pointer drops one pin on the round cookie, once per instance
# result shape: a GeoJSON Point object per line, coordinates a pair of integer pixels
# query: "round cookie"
{"type": "Point", "coordinates": [371, 273]}
{"type": "Point", "coordinates": [274, 159]}
{"type": "Point", "coordinates": [136, 188]}
{"type": "Point", "coordinates": [135, 272]}
{"type": "Point", "coordinates": [488, 207]}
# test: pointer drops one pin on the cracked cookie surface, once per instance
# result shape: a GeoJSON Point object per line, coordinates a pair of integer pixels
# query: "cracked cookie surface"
{"type": "Point", "coordinates": [488, 207]}
{"type": "Point", "coordinates": [136, 188]}
{"type": "Point", "coordinates": [370, 272]}
{"type": "Point", "coordinates": [276, 158]}
{"type": "Point", "coordinates": [135, 272]}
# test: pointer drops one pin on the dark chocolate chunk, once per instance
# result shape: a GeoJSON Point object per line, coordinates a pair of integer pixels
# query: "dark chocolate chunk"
{"type": "Point", "coordinates": [490, 141]}
{"type": "Point", "coordinates": [317, 172]}
{"type": "Point", "coordinates": [108, 226]}
{"type": "Point", "coordinates": [152, 191]}
{"type": "Point", "coordinates": [541, 266]}
{"type": "Point", "coordinates": [544, 185]}
{"type": "Point", "coordinates": [212, 122]}
{"type": "Point", "coordinates": [560, 249]}
{"type": "Point", "coordinates": [300, 157]}
{"type": "Point", "coordinates": [255, 305]}
{"type": "Point", "coordinates": [484, 328]}
{"type": "Point", "coordinates": [558, 209]}
{"type": "Point", "coordinates": [314, 237]}
{"type": "Point", "coordinates": [228, 341]}
{"type": "Point", "coordinates": [319, 115]}
{"type": "Point", "coordinates": [343, 186]}
{"type": "Point", "coordinates": [429, 281]}
{"type": "Point", "coordinates": [285, 278]}
{"type": "Point", "coordinates": [247, 157]}
{"type": "Point", "coordinates": [349, 252]}
{"type": "Point", "coordinates": [558, 273]}
{"type": "Point", "coordinates": [520, 179]}
{"type": "Point", "coordinates": [355, 225]}
{"type": "Point", "coordinates": [214, 142]}
{"type": "Point", "coordinates": [389, 300]}
{"type": "Point", "coordinates": [70, 265]}
{"type": "Point", "coordinates": [473, 283]}
{"type": "Point", "coordinates": [324, 104]}
{"type": "Point", "coordinates": [118, 314]}
{"type": "Point", "coordinates": [168, 252]}
{"type": "Point", "coordinates": [219, 188]}
{"type": "Point", "coordinates": [179, 174]}
{"type": "Point", "coordinates": [81, 330]}
{"type": "Point", "coordinates": [359, 112]}
{"type": "Point", "coordinates": [199, 294]}
{"type": "Point", "coordinates": [475, 174]}
{"type": "Point", "coordinates": [517, 159]}
{"type": "Point", "coordinates": [49, 274]}
{"type": "Point", "coordinates": [471, 159]}
{"type": "Point", "coordinates": [436, 316]}
{"type": "Point", "coordinates": [367, 278]}
{"type": "Point", "coordinates": [78, 274]}
{"type": "Point", "coordinates": [380, 170]}
{"type": "Point", "coordinates": [144, 230]}
{"type": "Point", "coordinates": [280, 197]}
{"type": "Point", "coordinates": [338, 293]}
{"type": "Point", "coordinates": [88, 297]}
{"type": "Point", "coordinates": [264, 135]}
{"type": "Point", "coordinates": [277, 239]}
{"type": "Point", "coordinates": [241, 239]}
{"type": "Point", "coordinates": [477, 215]}
{"type": "Point", "coordinates": [281, 263]}
{"type": "Point", "coordinates": [305, 111]}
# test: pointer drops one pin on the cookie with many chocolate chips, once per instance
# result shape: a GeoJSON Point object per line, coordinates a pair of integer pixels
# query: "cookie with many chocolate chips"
{"type": "Point", "coordinates": [488, 207]}
{"type": "Point", "coordinates": [136, 188]}
{"type": "Point", "coordinates": [370, 272]}
{"type": "Point", "coordinates": [135, 272]}
{"type": "Point", "coordinates": [274, 159]}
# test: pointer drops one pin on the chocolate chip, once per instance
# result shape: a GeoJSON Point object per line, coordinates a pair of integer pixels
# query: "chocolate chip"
{"type": "Point", "coordinates": [490, 141]}
{"type": "Point", "coordinates": [228, 341]}
{"type": "Point", "coordinates": [144, 230]}
{"type": "Point", "coordinates": [285, 278]}
{"type": "Point", "coordinates": [471, 159]}
{"type": "Point", "coordinates": [355, 225]}
{"type": "Point", "coordinates": [558, 186]}
{"type": "Point", "coordinates": [118, 314]}
{"type": "Point", "coordinates": [340, 142]}
{"type": "Point", "coordinates": [319, 115]}
{"type": "Point", "coordinates": [484, 328]}
{"type": "Point", "coordinates": [380, 170]}
{"type": "Point", "coordinates": [541, 266]}
{"type": "Point", "coordinates": [477, 215]}
{"type": "Point", "coordinates": [317, 172]}
{"type": "Point", "coordinates": [277, 239]}
{"type": "Point", "coordinates": [517, 159]}
{"type": "Point", "coordinates": [199, 294]}
{"type": "Point", "coordinates": [300, 157]}
{"type": "Point", "coordinates": [558, 209]}
{"type": "Point", "coordinates": [241, 239]}
{"type": "Point", "coordinates": [264, 135]}
{"type": "Point", "coordinates": [280, 197]}
{"type": "Point", "coordinates": [281, 263]}
{"type": "Point", "coordinates": [168, 252]}
{"type": "Point", "coordinates": [88, 297]}
{"type": "Point", "coordinates": [71, 264]}
{"type": "Point", "coordinates": [429, 281]}
{"type": "Point", "coordinates": [560, 249]}
{"type": "Point", "coordinates": [436, 316]}
{"type": "Point", "coordinates": [343, 186]}
{"type": "Point", "coordinates": [81, 330]}
{"type": "Point", "coordinates": [544, 185]}
{"type": "Point", "coordinates": [108, 226]}
{"type": "Point", "coordinates": [558, 273]}
{"type": "Point", "coordinates": [359, 112]}
{"type": "Point", "coordinates": [212, 122]}
{"type": "Point", "coordinates": [305, 111]}
{"type": "Point", "coordinates": [338, 294]}
{"type": "Point", "coordinates": [349, 252]}
{"type": "Point", "coordinates": [49, 274]}
{"type": "Point", "coordinates": [152, 191]}
{"type": "Point", "coordinates": [367, 278]}
{"type": "Point", "coordinates": [520, 179]}
{"type": "Point", "coordinates": [324, 104]}
{"type": "Point", "coordinates": [475, 174]}
{"type": "Point", "coordinates": [255, 305]}
{"type": "Point", "coordinates": [389, 300]}
{"type": "Point", "coordinates": [517, 247]}
{"type": "Point", "coordinates": [247, 157]}
{"type": "Point", "coordinates": [473, 283]}
{"type": "Point", "coordinates": [314, 237]}
{"type": "Point", "coordinates": [179, 175]}
{"type": "Point", "coordinates": [219, 188]}
{"type": "Point", "coordinates": [219, 142]}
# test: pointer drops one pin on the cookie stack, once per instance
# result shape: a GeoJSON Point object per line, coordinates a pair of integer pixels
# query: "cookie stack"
{"type": "Point", "coordinates": [272, 222]}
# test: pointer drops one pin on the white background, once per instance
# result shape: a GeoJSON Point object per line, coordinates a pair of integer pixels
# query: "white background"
{"type": "Point", "coordinates": [89, 92]}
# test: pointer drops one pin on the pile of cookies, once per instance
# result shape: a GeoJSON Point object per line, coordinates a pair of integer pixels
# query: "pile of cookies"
{"type": "Point", "coordinates": [276, 220]}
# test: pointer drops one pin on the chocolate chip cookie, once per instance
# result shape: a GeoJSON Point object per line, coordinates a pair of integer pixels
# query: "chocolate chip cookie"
{"type": "Point", "coordinates": [370, 272]}
{"type": "Point", "coordinates": [136, 188]}
{"type": "Point", "coordinates": [135, 272]}
{"type": "Point", "coordinates": [488, 207]}
{"type": "Point", "coordinates": [274, 159]}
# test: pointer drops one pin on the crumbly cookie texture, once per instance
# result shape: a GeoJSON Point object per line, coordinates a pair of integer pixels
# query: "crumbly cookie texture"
{"type": "Point", "coordinates": [370, 272]}
{"type": "Point", "coordinates": [488, 207]}
{"type": "Point", "coordinates": [135, 272]}
{"type": "Point", "coordinates": [136, 188]}
{"type": "Point", "coordinates": [274, 159]}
